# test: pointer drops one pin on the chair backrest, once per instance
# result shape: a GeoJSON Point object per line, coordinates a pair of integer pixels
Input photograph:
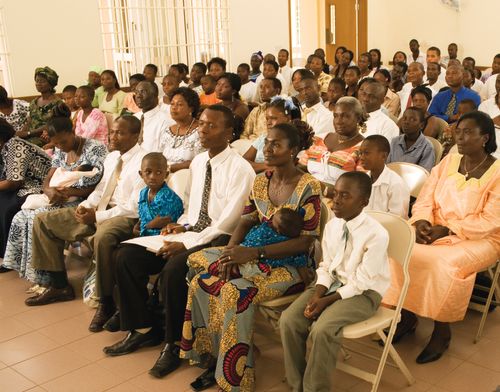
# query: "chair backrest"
{"type": "Point", "coordinates": [241, 145]}
{"type": "Point", "coordinates": [326, 215]}
{"type": "Point", "coordinates": [178, 182]}
{"type": "Point", "coordinates": [442, 125]}
{"type": "Point", "coordinates": [438, 149]}
{"type": "Point", "coordinates": [413, 175]}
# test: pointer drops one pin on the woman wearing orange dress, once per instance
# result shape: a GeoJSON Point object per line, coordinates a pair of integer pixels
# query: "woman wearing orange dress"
{"type": "Point", "coordinates": [457, 223]}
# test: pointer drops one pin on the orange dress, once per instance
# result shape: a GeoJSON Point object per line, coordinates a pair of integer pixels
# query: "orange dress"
{"type": "Point", "coordinates": [210, 99]}
{"type": "Point", "coordinates": [442, 274]}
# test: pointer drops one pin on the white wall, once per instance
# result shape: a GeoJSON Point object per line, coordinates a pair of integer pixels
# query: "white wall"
{"type": "Point", "coordinates": [64, 35]}
{"type": "Point", "coordinates": [257, 25]}
{"type": "Point", "coordinates": [391, 25]}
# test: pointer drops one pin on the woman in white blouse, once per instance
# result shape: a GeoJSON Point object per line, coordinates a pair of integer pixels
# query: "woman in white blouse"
{"type": "Point", "coordinates": [180, 143]}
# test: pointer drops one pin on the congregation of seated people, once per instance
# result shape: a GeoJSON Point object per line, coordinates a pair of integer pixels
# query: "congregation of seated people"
{"type": "Point", "coordinates": [89, 167]}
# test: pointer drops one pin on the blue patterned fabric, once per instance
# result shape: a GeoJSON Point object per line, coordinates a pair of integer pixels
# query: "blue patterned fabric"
{"type": "Point", "coordinates": [264, 234]}
{"type": "Point", "coordinates": [165, 203]}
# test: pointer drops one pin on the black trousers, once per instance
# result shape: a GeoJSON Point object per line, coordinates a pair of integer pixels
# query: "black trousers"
{"type": "Point", "coordinates": [10, 205]}
{"type": "Point", "coordinates": [134, 265]}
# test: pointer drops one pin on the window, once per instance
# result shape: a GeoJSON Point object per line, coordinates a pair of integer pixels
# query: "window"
{"type": "Point", "coordinates": [162, 32]}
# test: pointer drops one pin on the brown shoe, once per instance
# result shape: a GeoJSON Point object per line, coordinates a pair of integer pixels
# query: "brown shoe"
{"type": "Point", "coordinates": [102, 314]}
{"type": "Point", "coordinates": [51, 295]}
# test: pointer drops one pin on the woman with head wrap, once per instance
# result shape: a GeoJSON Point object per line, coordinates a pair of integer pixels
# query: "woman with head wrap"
{"type": "Point", "coordinates": [41, 108]}
{"type": "Point", "coordinates": [227, 91]}
{"type": "Point", "coordinates": [94, 81]}
{"type": "Point", "coordinates": [255, 62]}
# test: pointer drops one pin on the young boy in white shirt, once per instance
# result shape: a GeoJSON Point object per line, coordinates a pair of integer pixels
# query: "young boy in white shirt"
{"type": "Point", "coordinates": [351, 280]}
{"type": "Point", "coordinates": [389, 192]}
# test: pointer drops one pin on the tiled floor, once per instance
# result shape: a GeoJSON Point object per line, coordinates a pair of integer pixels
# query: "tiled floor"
{"type": "Point", "coordinates": [50, 349]}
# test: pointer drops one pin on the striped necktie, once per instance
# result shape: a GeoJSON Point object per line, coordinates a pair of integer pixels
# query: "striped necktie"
{"type": "Point", "coordinates": [450, 109]}
{"type": "Point", "coordinates": [203, 219]}
{"type": "Point", "coordinates": [141, 135]}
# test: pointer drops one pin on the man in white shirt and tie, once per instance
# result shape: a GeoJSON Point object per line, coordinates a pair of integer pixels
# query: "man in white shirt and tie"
{"type": "Point", "coordinates": [351, 281]}
{"type": "Point", "coordinates": [371, 95]}
{"type": "Point", "coordinates": [221, 181]}
{"type": "Point", "coordinates": [315, 113]}
{"type": "Point", "coordinates": [153, 120]}
{"type": "Point", "coordinates": [106, 218]}
{"type": "Point", "coordinates": [285, 70]}
{"type": "Point", "coordinates": [415, 78]}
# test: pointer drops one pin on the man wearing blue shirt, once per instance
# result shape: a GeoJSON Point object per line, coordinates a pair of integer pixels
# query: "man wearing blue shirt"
{"type": "Point", "coordinates": [445, 104]}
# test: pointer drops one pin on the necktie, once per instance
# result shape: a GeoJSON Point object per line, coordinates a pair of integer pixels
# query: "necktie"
{"type": "Point", "coordinates": [345, 235]}
{"type": "Point", "coordinates": [141, 135]}
{"type": "Point", "coordinates": [450, 109]}
{"type": "Point", "coordinates": [203, 219]}
{"type": "Point", "coordinates": [306, 112]}
{"type": "Point", "coordinates": [110, 186]}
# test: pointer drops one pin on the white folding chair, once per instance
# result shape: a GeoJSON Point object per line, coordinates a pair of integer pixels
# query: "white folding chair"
{"type": "Point", "coordinates": [494, 273]}
{"type": "Point", "coordinates": [438, 149]}
{"type": "Point", "coordinates": [401, 241]}
{"type": "Point", "coordinates": [241, 145]}
{"type": "Point", "coordinates": [413, 175]}
{"type": "Point", "coordinates": [178, 182]}
{"type": "Point", "coordinates": [271, 310]}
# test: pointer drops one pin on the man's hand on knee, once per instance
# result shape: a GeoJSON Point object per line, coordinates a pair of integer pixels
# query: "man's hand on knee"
{"type": "Point", "coordinates": [85, 215]}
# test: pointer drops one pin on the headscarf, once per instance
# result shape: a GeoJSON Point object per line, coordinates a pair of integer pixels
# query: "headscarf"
{"type": "Point", "coordinates": [49, 74]}
{"type": "Point", "coordinates": [259, 55]}
{"type": "Point", "coordinates": [95, 68]}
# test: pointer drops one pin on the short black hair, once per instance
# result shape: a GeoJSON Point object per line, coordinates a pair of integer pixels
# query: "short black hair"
{"type": "Point", "coordinates": [88, 90]}
{"type": "Point", "coordinates": [469, 102]}
{"type": "Point", "coordinates": [202, 67]}
{"type": "Point", "coordinates": [138, 76]}
{"type": "Point", "coordinates": [362, 181]}
{"type": "Point", "coordinates": [7, 131]}
{"type": "Point", "coordinates": [153, 86]}
{"type": "Point", "coordinates": [276, 83]}
{"type": "Point", "coordinates": [153, 67]}
{"type": "Point", "coordinates": [217, 60]}
{"type": "Point", "coordinates": [155, 156]}
{"type": "Point", "coordinates": [133, 123]}
{"type": "Point", "coordinates": [191, 97]}
{"type": "Point", "coordinates": [486, 127]}
{"type": "Point", "coordinates": [425, 91]}
{"type": "Point", "coordinates": [69, 89]}
{"type": "Point", "coordinates": [437, 64]}
{"type": "Point", "coordinates": [274, 64]}
{"type": "Point", "coordinates": [384, 72]}
{"type": "Point", "coordinates": [380, 141]}
{"type": "Point", "coordinates": [226, 112]}
{"type": "Point", "coordinates": [208, 76]}
{"type": "Point", "coordinates": [354, 68]}
{"type": "Point", "coordinates": [286, 51]}
{"type": "Point", "coordinates": [315, 56]}
{"type": "Point", "coordinates": [435, 49]}
{"type": "Point", "coordinates": [304, 73]}
{"type": "Point", "coordinates": [338, 81]}
{"type": "Point", "coordinates": [419, 111]}
{"type": "Point", "coordinates": [293, 220]}
{"type": "Point", "coordinates": [244, 66]}
{"type": "Point", "coordinates": [183, 68]}
{"type": "Point", "coordinates": [470, 59]}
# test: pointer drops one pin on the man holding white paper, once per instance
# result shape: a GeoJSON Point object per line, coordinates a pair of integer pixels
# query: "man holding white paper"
{"type": "Point", "coordinates": [221, 181]}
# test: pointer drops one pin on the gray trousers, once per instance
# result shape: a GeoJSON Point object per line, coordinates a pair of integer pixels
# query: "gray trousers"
{"type": "Point", "coordinates": [326, 336]}
{"type": "Point", "coordinates": [53, 228]}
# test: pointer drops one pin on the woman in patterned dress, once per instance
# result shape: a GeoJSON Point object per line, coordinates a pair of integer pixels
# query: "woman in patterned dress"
{"type": "Point", "coordinates": [15, 111]}
{"type": "Point", "coordinates": [23, 166]}
{"type": "Point", "coordinates": [219, 319]}
{"type": "Point", "coordinates": [71, 152]}
{"type": "Point", "coordinates": [338, 152]}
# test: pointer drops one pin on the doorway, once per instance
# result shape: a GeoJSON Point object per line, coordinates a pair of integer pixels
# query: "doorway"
{"type": "Point", "coordinates": [346, 23]}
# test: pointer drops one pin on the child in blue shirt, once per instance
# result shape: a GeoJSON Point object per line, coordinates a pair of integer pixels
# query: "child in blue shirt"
{"type": "Point", "coordinates": [158, 204]}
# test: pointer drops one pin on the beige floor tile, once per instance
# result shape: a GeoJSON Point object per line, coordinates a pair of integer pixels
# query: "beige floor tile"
{"type": "Point", "coordinates": [36, 389]}
{"type": "Point", "coordinates": [24, 347]}
{"type": "Point", "coordinates": [13, 305]}
{"type": "Point", "coordinates": [41, 316]}
{"type": "Point", "coordinates": [91, 346]}
{"type": "Point", "coordinates": [462, 345]}
{"type": "Point", "coordinates": [125, 387]}
{"type": "Point", "coordinates": [10, 328]}
{"type": "Point", "coordinates": [11, 381]}
{"type": "Point", "coordinates": [69, 330]}
{"type": "Point", "coordinates": [179, 380]}
{"type": "Point", "coordinates": [90, 378]}
{"type": "Point", "coordinates": [437, 389]}
{"type": "Point", "coordinates": [487, 355]}
{"type": "Point", "coordinates": [50, 365]}
{"type": "Point", "coordinates": [470, 377]}
{"type": "Point", "coordinates": [131, 365]}
{"type": "Point", "coordinates": [14, 287]}
{"type": "Point", "coordinates": [8, 276]}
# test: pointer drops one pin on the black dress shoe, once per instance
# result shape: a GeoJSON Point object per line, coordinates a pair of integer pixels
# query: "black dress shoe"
{"type": "Point", "coordinates": [113, 324]}
{"type": "Point", "coordinates": [51, 295]}
{"type": "Point", "coordinates": [205, 381]}
{"type": "Point", "coordinates": [428, 355]}
{"type": "Point", "coordinates": [3, 269]}
{"type": "Point", "coordinates": [134, 341]}
{"type": "Point", "coordinates": [401, 332]}
{"type": "Point", "coordinates": [167, 362]}
{"type": "Point", "coordinates": [103, 313]}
